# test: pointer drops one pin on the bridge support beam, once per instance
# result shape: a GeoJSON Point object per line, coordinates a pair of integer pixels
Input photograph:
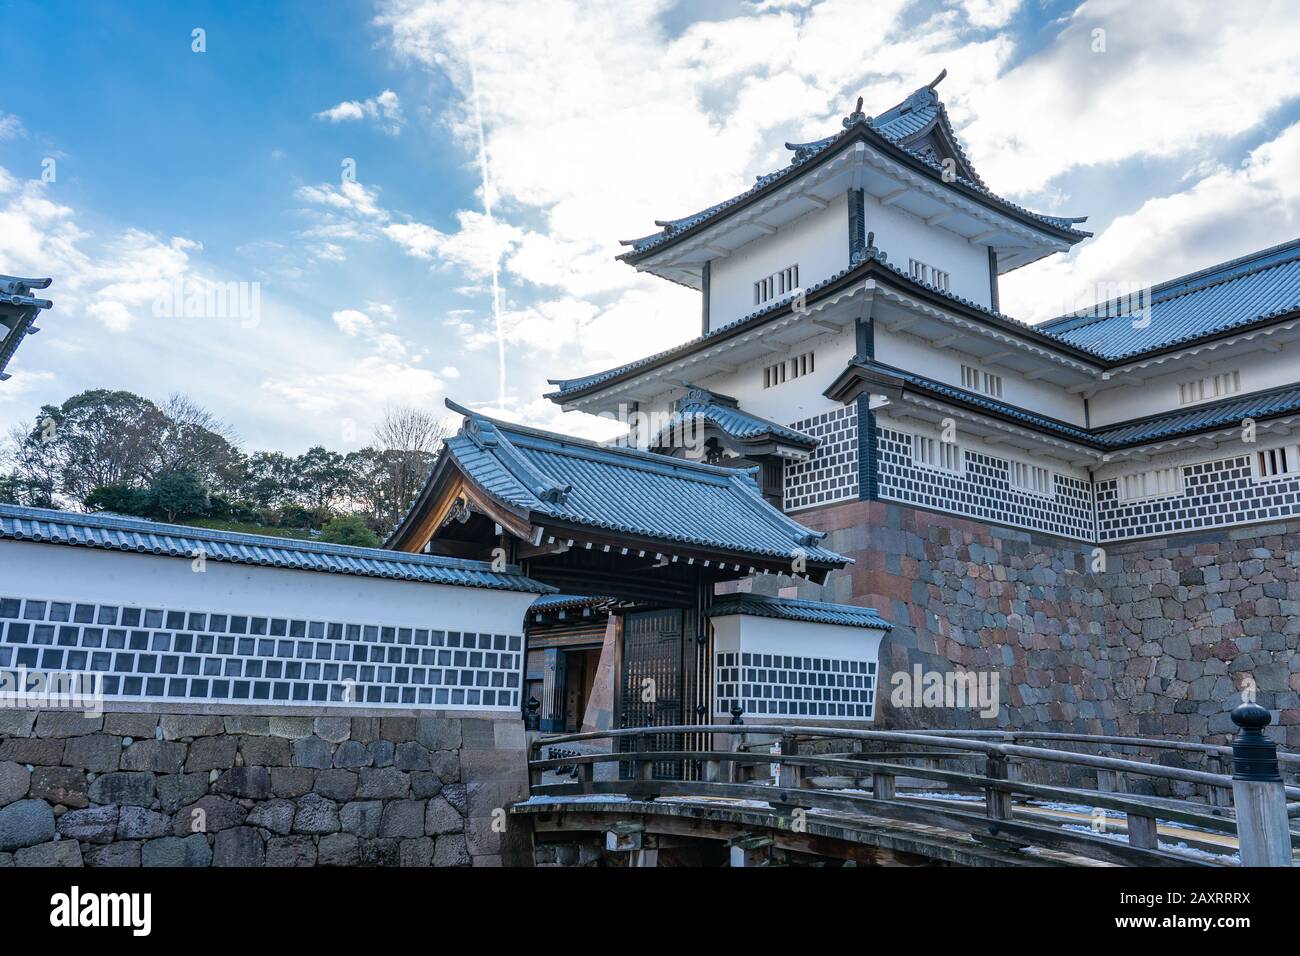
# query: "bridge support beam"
{"type": "Point", "coordinates": [750, 851]}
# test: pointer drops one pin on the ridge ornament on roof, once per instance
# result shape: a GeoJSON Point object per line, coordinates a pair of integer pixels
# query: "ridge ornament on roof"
{"type": "Point", "coordinates": [745, 431]}
{"type": "Point", "coordinates": [18, 311]}
{"type": "Point", "coordinates": [908, 131]}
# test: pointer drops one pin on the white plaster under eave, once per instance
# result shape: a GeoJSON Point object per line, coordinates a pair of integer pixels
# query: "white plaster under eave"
{"type": "Point", "coordinates": [779, 336]}
{"type": "Point", "coordinates": [749, 633]}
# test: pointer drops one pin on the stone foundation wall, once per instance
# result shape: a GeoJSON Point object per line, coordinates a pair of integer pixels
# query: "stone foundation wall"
{"type": "Point", "coordinates": [141, 789]}
{"type": "Point", "coordinates": [1157, 645]}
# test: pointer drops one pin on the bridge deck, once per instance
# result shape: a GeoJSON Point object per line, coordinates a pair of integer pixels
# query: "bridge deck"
{"type": "Point", "coordinates": [898, 805]}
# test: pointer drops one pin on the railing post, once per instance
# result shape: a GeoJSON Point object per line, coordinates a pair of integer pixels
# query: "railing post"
{"type": "Point", "coordinates": [1141, 831]}
{"type": "Point", "coordinates": [644, 767]}
{"type": "Point", "coordinates": [883, 785]}
{"type": "Point", "coordinates": [1219, 796]}
{"type": "Point", "coordinates": [1112, 781]}
{"type": "Point", "coordinates": [534, 753]}
{"type": "Point", "coordinates": [997, 803]}
{"type": "Point", "coordinates": [735, 771]}
{"type": "Point", "coordinates": [791, 776]}
{"type": "Point", "coordinates": [1258, 792]}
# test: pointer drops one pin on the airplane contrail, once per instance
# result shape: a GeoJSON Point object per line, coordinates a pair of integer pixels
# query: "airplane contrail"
{"type": "Point", "coordinates": [485, 172]}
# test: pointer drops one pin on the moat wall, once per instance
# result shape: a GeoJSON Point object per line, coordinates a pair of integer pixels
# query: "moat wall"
{"type": "Point", "coordinates": [199, 789]}
{"type": "Point", "coordinates": [1159, 644]}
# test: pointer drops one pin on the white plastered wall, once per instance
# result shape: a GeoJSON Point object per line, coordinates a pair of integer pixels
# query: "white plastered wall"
{"type": "Point", "coordinates": [747, 633]}
{"type": "Point", "coordinates": [818, 242]}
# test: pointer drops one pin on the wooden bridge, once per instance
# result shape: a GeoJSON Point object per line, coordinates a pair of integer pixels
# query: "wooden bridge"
{"type": "Point", "coordinates": [772, 793]}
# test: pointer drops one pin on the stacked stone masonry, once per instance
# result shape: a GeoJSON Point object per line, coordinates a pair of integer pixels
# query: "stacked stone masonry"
{"type": "Point", "coordinates": [1158, 644]}
{"type": "Point", "coordinates": [137, 789]}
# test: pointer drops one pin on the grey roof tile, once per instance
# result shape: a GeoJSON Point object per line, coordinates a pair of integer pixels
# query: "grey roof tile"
{"type": "Point", "coordinates": [118, 533]}
{"type": "Point", "coordinates": [791, 609]}
{"type": "Point", "coordinates": [627, 491]}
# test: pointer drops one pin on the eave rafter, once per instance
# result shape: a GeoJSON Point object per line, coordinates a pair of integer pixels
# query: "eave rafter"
{"type": "Point", "coordinates": [994, 223]}
{"type": "Point", "coordinates": [966, 327]}
{"type": "Point", "coordinates": [755, 216]}
{"type": "Point", "coordinates": [765, 337]}
{"type": "Point", "coordinates": [1212, 440]}
{"type": "Point", "coordinates": [995, 430]}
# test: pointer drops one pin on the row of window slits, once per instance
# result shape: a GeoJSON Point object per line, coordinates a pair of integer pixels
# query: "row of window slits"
{"type": "Point", "coordinates": [983, 487]}
{"type": "Point", "coordinates": [1213, 494]}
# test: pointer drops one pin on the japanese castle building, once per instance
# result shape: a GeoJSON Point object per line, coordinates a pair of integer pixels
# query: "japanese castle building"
{"type": "Point", "coordinates": [854, 365]}
{"type": "Point", "coordinates": [860, 466]}
{"type": "Point", "coordinates": [852, 347]}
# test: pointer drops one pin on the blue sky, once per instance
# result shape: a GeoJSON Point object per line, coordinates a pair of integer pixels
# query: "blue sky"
{"type": "Point", "coordinates": [1178, 138]}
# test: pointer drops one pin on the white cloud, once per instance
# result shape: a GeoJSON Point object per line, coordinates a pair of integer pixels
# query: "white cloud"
{"type": "Point", "coordinates": [480, 242]}
{"type": "Point", "coordinates": [115, 282]}
{"type": "Point", "coordinates": [990, 13]}
{"type": "Point", "coordinates": [1226, 214]}
{"type": "Point", "coordinates": [629, 125]}
{"type": "Point", "coordinates": [11, 127]}
{"type": "Point", "coordinates": [368, 383]}
{"type": "Point", "coordinates": [386, 107]}
{"type": "Point", "coordinates": [351, 322]}
{"type": "Point", "coordinates": [349, 197]}
{"type": "Point", "coordinates": [1175, 78]}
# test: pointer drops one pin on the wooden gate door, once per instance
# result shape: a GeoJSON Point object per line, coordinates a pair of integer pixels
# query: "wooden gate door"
{"type": "Point", "coordinates": [650, 686]}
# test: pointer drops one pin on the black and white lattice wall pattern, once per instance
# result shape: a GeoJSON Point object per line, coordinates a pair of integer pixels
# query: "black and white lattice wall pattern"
{"type": "Point", "coordinates": [831, 472]}
{"type": "Point", "coordinates": [167, 655]}
{"type": "Point", "coordinates": [783, 685]}
{"type": "Point", "coordinates": [1215, 493]}
{"type": "Point", "coordinates": [982, 490]}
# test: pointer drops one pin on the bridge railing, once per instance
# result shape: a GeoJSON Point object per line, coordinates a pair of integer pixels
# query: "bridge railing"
{"type": "Point", "coordinates": [1012, 813]}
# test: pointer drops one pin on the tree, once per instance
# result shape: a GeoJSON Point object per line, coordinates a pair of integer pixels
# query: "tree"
{"type": "Point", "coordinates": [96, 438]}
{"type": "Point", "coordinates": [407, 441]}
{"type": "Point", "coordinates": [349, 529]}
{"type": "Point", "coordinates": [179, 494]}
{"type": "Point", "coordinates": [321, 479]}
{"type": "Point", "coordinates": [34, 479]}
{"type": "Point", "coordinates": [268, 479]}
{"type": "Point", "coordinates": [190, 438]}
{"type": "Point", "coordinates": [121, 499]}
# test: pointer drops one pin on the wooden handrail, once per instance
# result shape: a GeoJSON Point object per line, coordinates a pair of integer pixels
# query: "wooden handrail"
{"type": "Point", "coordinates": [800, 784]}
{"type": "Point", "coordinates": [1149, 742]}
{"type": "Point", "coordinates": [1091, 761]}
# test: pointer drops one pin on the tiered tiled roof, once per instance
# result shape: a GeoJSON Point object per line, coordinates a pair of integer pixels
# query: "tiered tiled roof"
{"type": "Point", "coordinates": [724, 413]}
{"type": "Point", "coordinates": [1260, 406]}
{"type": "Point", "coordinates": [1213, 301]}
{"type": "Point", "coordinates": [18, 311]}
{"type": "Point", "coordinates": [558, 480]}
{"type": "Point", "coordinates": [791, 609]}
{"type": "Point", "coordinates": [873, 262]}
{"type": "Point", "coordinates": [116, 533]}
{"type": "Point", "coordinates": [897, 128]}
{"type": "Point", "coordinates": [1216, 301]}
